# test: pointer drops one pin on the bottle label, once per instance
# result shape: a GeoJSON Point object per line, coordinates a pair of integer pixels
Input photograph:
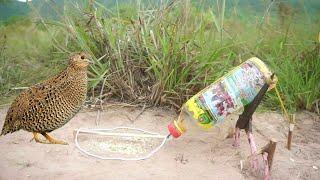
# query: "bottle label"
{"type": "Point", "coordinates": [229, 93]}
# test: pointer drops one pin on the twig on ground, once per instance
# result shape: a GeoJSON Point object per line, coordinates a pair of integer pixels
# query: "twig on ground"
{"type": "Point", "coordinates": [143, 109]}
{"type": "Point", "coordinates": [19, 88]}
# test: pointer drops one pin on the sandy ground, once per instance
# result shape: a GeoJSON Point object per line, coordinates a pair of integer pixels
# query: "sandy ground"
{"type": "Point", "coordinates": [204, 156]}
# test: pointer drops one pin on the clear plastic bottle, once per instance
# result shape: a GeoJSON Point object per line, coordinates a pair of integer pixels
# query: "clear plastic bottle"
{"type": "Point", "coordinates": [223, 97]}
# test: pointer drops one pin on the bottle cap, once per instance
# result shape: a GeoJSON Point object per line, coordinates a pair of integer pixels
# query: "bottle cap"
{"type": "Point", "coordinates": [173, 130]}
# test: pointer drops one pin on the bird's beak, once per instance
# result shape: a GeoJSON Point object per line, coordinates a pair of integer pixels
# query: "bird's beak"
{"type": "Point", "coordinates": [90, 61]}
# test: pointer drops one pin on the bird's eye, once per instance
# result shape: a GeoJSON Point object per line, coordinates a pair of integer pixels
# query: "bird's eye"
{"type": "Point", "coordinates": [82, 57]}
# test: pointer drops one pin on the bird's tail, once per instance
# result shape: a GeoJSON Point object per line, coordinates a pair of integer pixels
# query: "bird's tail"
{"type": "Point", "coordinates": [5, 128]}
{"type": "Point", "coordinates": [4, 131]}
{"type": "Point", "coordinates": [9, 129]}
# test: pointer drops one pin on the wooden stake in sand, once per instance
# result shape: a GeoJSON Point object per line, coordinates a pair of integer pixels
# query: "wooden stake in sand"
{"type": "Point", "coordinates": [291, 127]}
{"type": "Point", "coordinates": [270, 149]}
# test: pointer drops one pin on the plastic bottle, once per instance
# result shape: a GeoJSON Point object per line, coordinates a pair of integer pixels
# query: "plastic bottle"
{"type": "Point", "coordinates": [223, 97]}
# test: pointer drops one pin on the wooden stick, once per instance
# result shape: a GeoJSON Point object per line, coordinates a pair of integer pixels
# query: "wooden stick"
{"type": "Point", "coordinates": [291, 127]}
{"type": "Point", "coordinates": [289, 138]}
{"type": "Point", "coordinates": [271, 151]}
{"type": "Point", "coordinates": [270, 148]}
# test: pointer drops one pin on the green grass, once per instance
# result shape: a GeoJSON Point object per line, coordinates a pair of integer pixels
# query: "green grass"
{"type": "Point", "coordinates": [165, 54]}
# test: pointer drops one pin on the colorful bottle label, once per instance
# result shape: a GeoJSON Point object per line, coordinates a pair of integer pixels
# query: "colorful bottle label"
{"type": "Point", "coordinates": [229, 93]}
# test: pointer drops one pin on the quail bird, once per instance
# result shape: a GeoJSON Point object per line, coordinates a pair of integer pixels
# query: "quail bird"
{"type": "Point", "coordinates": [49, 105]}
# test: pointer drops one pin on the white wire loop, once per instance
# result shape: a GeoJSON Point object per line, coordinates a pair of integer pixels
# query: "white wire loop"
{"type": "Point", "coordinates": [107, 132]}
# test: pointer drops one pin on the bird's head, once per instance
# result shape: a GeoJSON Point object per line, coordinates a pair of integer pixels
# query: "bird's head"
{"type": "Point", "coordinates": [79, 60]}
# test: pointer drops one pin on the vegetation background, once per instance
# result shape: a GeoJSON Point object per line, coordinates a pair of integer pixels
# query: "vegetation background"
{"type": "Point", "coordinates": [160, 53]}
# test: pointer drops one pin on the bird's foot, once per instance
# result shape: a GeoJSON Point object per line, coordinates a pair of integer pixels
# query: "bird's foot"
{"type": "Point", "coordinates": [49, 138]}
{"type": "Point", "coordinates": [236, 138]}
{"type": "Point", "coordinates": [52, 140]}
{"type": "Point", "coordinates": [37, 139]}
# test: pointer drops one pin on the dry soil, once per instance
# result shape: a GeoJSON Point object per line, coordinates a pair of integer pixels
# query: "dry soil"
{"type": "Point", "coordinates": [208, 155]}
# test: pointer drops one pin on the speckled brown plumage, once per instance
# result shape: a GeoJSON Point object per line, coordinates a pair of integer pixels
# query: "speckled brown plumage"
{"type": "Point", "coordinates": [49, 105]}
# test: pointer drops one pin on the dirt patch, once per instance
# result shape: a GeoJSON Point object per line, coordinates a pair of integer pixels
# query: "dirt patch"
{"type": "Point", "coordinates": [201, 156]}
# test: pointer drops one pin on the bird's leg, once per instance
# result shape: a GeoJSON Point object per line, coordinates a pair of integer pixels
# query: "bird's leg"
{"type": "Point", "coordinates": [37, 139]}
{"type": "Point", "coordinates": [236, 137]}
{"type": "Point", "coordinates": [266, 168]}
{"type": "Point", "coordinates": [52, 140]}
{"type": "Point", "coordinates": [253, 147]}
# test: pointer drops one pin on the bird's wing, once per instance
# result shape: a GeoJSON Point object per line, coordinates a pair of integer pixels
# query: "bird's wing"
{"type": "Point", "coordinates": [35, 95]}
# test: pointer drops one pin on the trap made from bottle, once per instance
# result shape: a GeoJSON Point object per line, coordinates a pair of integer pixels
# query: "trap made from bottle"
{"type": "Point", "coordinates": [228, 94]}
{"type": "Point", "coordinates": [120, 143]}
